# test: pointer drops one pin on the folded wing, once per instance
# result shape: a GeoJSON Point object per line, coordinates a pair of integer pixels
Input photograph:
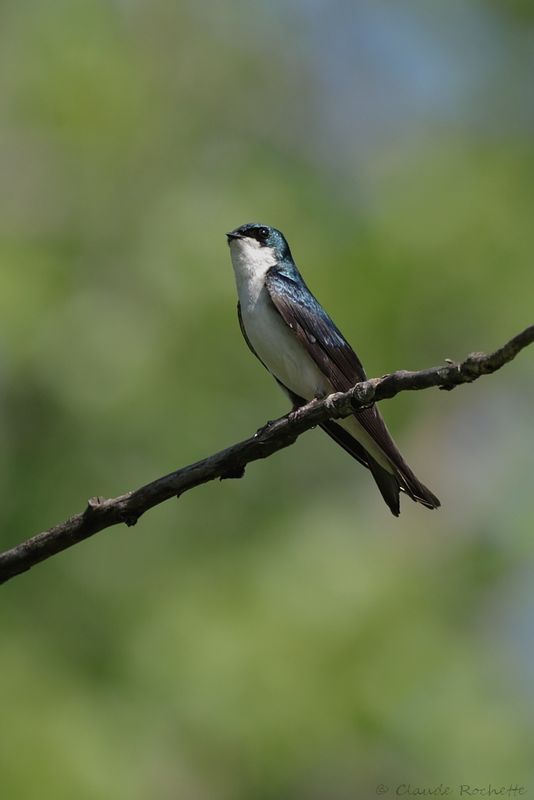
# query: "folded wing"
{"type": "Point", "coordinates": [337, 360]}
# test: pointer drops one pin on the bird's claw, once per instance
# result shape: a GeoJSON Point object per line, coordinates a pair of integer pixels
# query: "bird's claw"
{"type": "Point", "coordinates": [293, 416]}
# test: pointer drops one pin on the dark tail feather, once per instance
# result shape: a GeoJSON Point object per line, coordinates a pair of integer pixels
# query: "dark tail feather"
{"type": "Point", "coordinates": [415, 489]}
{"type": "Point", "coordinates": [346, 441]}
{"type": "Point", "coordinates": [388, 485]}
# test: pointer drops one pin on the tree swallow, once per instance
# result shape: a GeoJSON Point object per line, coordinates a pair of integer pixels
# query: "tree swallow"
{"type": "Point", "coordinates": [295, 339]}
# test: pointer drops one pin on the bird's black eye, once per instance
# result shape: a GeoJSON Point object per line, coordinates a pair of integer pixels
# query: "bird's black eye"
{"type": "Point", "coordinates": [259, 232]}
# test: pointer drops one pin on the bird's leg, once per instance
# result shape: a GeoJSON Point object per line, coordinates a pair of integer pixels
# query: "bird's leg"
{"type": "Point", "coordinates": [293, 415]}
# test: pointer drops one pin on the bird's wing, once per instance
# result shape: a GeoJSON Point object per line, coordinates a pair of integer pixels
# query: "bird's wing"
{"type": "Point", "coordinates": [329, 349]}
{"type": "Point", "coordinates": [324, 342]}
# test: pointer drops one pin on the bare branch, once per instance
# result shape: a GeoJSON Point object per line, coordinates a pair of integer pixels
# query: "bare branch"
{"type": "Point", "coordinates": [230, 463]}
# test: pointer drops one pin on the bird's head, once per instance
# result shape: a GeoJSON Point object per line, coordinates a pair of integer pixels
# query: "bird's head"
{"type": "Point", "coordinates": [258, 243]}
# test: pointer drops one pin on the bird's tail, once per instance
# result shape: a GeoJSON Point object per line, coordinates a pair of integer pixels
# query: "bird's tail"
{"type": "Point", "coordinates": [390, 484]}
{"type": "Point", "coordinates": [414, 488]}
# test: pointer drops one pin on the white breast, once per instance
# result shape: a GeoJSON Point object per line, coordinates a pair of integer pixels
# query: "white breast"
{"type": "Point", "coordinates": [273, 341]}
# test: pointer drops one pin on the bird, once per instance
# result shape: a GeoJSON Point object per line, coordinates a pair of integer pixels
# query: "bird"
{"type": "Point", "coordinates": [291, 334]}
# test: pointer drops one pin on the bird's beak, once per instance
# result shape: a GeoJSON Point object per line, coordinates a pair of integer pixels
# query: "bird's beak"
{"type": "Point", "coordinates": [233, 235]}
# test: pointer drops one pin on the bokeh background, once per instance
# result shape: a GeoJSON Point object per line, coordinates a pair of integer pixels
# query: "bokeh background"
{"type": "Point", "coordinates": [282, 636]}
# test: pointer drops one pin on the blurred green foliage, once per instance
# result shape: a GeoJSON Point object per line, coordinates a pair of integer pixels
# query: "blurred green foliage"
{"type": "Point", "coordinates": [279, 636]}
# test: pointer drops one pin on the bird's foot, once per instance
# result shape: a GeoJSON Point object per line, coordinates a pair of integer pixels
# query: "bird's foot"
{"type": "Point", "coordinates": [294, 415]}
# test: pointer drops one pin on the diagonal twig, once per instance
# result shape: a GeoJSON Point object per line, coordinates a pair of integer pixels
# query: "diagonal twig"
{"type": "Point", "coordinates": [103, 513]}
